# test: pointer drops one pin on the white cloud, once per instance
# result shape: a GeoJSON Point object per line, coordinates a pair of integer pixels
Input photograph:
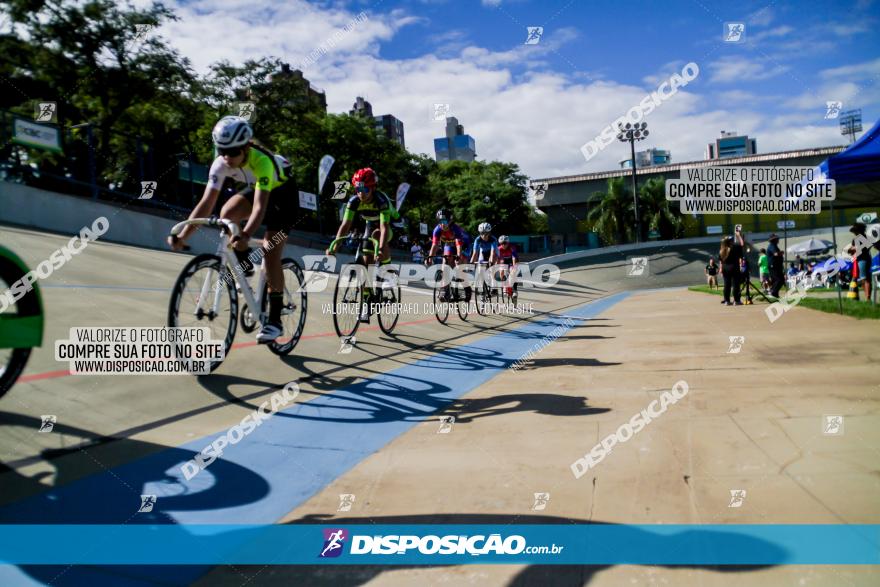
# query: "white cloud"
{"type": "Point", "coordinates": [515, 108]}
{"type": "Point", "coordinates": [740, 69]}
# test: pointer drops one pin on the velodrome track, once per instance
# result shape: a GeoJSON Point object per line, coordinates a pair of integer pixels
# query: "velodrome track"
{"type": "Point", "coordinates": [366, 423]}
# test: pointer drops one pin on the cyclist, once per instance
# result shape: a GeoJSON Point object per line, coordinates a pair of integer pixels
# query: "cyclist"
{"type": "Point", "coordinates": [265, 194]}
{"type": "Point", "coordinates": [450, 235]}
{"type": "Point", "coordinates": [372, 205]}
{"type": "Point", "coordinates": [485, 249]}
{"type": "Point", "coordinates": [507, 256]}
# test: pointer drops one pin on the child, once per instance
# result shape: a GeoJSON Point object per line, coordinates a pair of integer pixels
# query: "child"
{"type": "Point", "coordinates": [764, 270]}
{"type": "Point", "coordinates": [711, 272]}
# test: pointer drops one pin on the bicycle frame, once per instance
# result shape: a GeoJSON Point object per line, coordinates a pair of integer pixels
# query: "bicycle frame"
{"type": "Point", "coordinates": [224, 251]}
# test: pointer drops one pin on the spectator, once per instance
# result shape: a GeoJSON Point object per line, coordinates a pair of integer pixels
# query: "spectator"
{"type": "Point", "coordinates": [801, 266]}
{"type": "Point", "coordinates": [863, 258]}
{"type": "Point", "coordinates": [777, 266]}
{"type": "Point", "coordinates": [764, 270]}
{"type": "Point", "coordinates": [745, 277]}
{"type": "Point", "coordinates": [711, 272]}
{"type": "Point", "coordinates": [417, 252]}
{"type": "Point", "coordinates": [792, 270]}
{"type": "Point", "coordinates": [731, 252]}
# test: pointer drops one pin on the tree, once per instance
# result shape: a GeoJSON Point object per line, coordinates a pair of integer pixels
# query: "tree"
{"type": "Point", "coordinates": [612, 216]}
{"type": "Point", "coordinates": [655, 211]}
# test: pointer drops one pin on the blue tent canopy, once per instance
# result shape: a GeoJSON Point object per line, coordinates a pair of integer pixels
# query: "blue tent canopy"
{"type": "Point", "coordinates": [858, 164]}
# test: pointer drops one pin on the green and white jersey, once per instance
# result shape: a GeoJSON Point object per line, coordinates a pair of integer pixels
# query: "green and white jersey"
{"type": "Point", "coordinates": [260, 171]}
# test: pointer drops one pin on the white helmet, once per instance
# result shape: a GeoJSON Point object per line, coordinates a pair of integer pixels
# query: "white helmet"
{"type": "Point", "coordinates": [484, 228]}
{"type": "Point", "coordinates": [503, 239]}
{"type": "Point", "coordinates": [232, 131]}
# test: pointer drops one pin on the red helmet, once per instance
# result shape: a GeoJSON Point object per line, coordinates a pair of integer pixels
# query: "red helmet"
{"type": "Point", "coordinates": [366, 176]}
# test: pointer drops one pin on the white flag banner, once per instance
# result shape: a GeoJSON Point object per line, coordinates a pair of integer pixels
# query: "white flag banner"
{"type": "Point", "coordinates": [402, 190]}
{"type": "Point", "coordinates": [323, 170]}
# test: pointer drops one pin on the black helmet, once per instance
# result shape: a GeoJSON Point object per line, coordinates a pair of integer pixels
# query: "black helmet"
{"type": "Point", "coordinates": [444, 213]}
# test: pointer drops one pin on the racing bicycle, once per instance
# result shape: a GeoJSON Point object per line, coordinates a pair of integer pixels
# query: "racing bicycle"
{"type": "Point", "coordinates": [487, 296]}
{"type": "Point", "coordinates": [206, 294]}
{"type": "Point", "coordinates": [456, 293]}
{"type": "Point", "coordinates": [21, 320]}
{"type": "Point", "coordinates": [353, 296]}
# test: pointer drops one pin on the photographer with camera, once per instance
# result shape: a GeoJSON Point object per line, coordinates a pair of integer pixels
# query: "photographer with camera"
{"type": "Point", "coordinates": [732, 251]}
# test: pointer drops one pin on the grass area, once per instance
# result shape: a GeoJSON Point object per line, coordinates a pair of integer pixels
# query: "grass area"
{"type": "Point", "coordinates": [856, 309]}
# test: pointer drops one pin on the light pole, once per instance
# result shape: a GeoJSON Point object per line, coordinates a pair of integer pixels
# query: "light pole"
{"type": "Point", "coordinates": [630, 133]}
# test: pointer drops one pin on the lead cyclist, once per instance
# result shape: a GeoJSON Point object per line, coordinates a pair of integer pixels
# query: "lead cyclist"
{"type": "Point", "coordinates": [266, 194]}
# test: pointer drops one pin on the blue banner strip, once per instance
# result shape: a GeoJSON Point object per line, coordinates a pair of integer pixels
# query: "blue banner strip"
{"type": "Point", "coordinates": [584, 544]}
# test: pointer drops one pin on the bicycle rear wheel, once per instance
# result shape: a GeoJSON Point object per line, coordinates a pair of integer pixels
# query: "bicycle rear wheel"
{"type": "Point", "coordinates": [204, 296]}
{"type": "Point", "coordinates": [348, 301]}
{"type": "Point", "coordinates": [293, 312]}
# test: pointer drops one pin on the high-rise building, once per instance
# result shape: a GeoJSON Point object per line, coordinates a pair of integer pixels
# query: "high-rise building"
{"type": "Point", "coordinates": [391, 127]}
{"type": "Point", "coordinates": [286, 88]}
{"type": "Point", "coordinates": [455, 146]}
{"type": "Point", "coordinates": [385, 124]}
{"type": "Point", "coordinates": [648, 158]}
{"type": "Point", "coordinates": [730, 144]}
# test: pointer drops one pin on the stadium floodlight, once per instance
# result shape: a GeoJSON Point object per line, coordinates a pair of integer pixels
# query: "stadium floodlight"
{"type": "Point", "coordinates": [851, 123]}
{"type": "Point", "coordinates": [630, 134]}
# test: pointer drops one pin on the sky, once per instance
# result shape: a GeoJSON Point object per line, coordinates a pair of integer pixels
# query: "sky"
{"type": "Point", "coordinates": [537, 104]}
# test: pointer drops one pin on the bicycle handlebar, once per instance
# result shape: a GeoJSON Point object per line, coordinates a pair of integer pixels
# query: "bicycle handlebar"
{"type": "Point", "coordinates": [229, 225]}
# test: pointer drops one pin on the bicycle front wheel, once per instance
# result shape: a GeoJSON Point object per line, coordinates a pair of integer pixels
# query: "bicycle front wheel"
{"type": "Point", "coordinates": [20, 323]}
{"type": "Point", "coordinates": [204, 296]}
{"type": "Point", "coordinates": [348, 301]}
{"type": "Point", "coordinates": [293, 312]}
{"type": "Point", "coordinates": [389, 305]}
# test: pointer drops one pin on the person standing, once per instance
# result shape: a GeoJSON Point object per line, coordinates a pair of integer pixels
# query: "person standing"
{"type": "Point", "coordinates": [862, 258]}
{"type": "Point", "coordinates": [777, 263]}
{"type": "Point", "coordinates": [731, 252]}
{"type": "Point", "coordinates": [711, 272]}
{"type": "Point", "coordinates": [764, 270]}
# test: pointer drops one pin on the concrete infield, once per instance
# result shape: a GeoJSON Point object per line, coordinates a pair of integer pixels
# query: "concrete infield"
{"type": "Point", "coordinates": [752, 420]}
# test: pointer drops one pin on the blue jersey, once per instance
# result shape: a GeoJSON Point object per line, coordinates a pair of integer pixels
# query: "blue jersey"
{"type": "Point", "coordinates": [484, 248]}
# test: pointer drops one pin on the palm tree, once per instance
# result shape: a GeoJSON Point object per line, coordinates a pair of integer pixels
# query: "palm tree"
{"type": "Point", "coordinates": [655, 211]}
{"type": "Point", "coordinates": [612, 216]}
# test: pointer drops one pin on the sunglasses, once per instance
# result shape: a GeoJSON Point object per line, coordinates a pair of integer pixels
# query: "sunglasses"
{"type": "Point", "coordinates": [362, 189]}
{"type": "Point", "coordinates": [230, 152]}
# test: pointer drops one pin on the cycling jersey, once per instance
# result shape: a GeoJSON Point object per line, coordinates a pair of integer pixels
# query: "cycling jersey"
{"type": "Point", "coordinates": [451, 234]}
{"type": "Point", "coordinates": [484, 248]}
{"type": "Point", "coordinates": [379, 208]}
{"type": "Point", "coordinates": [260, 171]}
{"type": "Point", "coordinates": [507, 253]}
